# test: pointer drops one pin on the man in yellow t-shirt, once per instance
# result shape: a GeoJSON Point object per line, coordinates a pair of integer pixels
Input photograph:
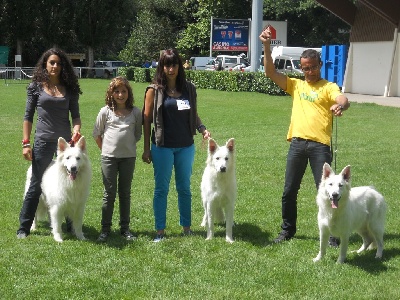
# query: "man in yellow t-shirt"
{"type": "Point", "coordinates": [315, 101]}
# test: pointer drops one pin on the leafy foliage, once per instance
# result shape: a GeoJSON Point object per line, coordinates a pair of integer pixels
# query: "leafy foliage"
{"type": "Point", "coordinates": [195, 39]}
{"type": "Point", "coordinates": [223, 81]}
{"type": "Point", "coordinates": [309, 24]}
{"type": "Point", "coordinates": [157, 27]}
{"type": "Point", "coordinates": [135, 31]}
{"type": "Point", "coordinates": [55, 24]}
{"type": "Point", "coordinates": [103, 24]}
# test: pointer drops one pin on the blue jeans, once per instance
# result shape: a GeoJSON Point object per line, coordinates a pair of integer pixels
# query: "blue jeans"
{"type": "Point", "coordinates": [42, 155]}
{"type": "Point", "coordinates": [117, 174]}
{"type": "Point", "coordinates": [164, 160]}
{"type": "Point", "coordinates": [300, 153]}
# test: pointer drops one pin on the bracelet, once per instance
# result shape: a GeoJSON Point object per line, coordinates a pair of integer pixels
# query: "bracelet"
{"type": "Point", "coordinates": [25, 141]}
{"type": "Point", "coordinates": [201, 126]}
{"type": "Point", "coordinates": [26, 145]}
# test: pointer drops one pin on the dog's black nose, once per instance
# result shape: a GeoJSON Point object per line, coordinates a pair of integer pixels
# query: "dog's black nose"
{"type": "Point", "coordinates": [335, 196]}
{"type": "Point", "coordinates": [73, 169]}
{"type": "Point", "coordinates": [223, 169]}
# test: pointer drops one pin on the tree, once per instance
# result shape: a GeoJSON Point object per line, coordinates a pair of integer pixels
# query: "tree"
{"type": "Point", "coordinates": [18, 22]}
{"type": "Point", "coordinates": [156, 28]}
{"type": "Point", "coordinates": [195, 38]}
{"type": "Point", "coordinates": [69, 24]}
{"type": "Point", "coordinates": [309, 24]}
{"type": "Point", "coordinates": [101, 22]}
{"type": "Point", "coordinates": [54, 23]}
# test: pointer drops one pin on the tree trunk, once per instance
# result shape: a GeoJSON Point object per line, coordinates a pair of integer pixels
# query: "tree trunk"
{"type": "Point", "coordinates": [90, 61]}
{"type": "Point", "coordinates": [19, 52]}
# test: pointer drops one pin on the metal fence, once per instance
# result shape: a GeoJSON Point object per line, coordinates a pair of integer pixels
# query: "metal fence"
{"type": "Point", "coordinates": [23, 75]}
{"type": "Point", "coordinates": [16, 75]}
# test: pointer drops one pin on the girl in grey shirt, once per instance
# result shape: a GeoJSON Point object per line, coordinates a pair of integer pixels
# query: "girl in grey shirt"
{"type": "Point", "coordinates": [117, 129]}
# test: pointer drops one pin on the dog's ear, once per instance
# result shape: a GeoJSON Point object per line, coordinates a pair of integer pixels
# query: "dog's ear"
{"type": "Point", "coordinates": [62, 144]}
{"type": "Point", "coordinates": [346, 173]}
{"type": "Point", "coordinates": [326, 171]}
{"type": "Point", "coordinates": [82, 143]}
{"type": "Point", "coordinates": [212, 146]}
{"type": "Point", "coordinates": [230, 144]}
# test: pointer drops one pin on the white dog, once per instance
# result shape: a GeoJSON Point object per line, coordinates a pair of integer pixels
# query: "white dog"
{"type": "Point", "coordinates": [343, 209]}
{"type": "Point", "coordinates": [65, 187]}
{"type": "Point", "coordinates": [218, 187]}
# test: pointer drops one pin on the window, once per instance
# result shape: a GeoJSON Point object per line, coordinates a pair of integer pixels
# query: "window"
{"type": "Point", "coordinates": [281, 64]}
{"type": "Point", "coordinates": [230, 60]}
{"type": "Point", "coordinates": [296, 63]}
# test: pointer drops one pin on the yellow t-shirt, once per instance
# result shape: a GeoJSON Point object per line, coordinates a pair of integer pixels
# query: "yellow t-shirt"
{"type": "Point", "coordinates": [311, 116]}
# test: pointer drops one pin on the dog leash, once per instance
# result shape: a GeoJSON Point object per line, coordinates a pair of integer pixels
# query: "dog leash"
{"type": "Point", "coordinates": [72, 143]}
{"type": "Point", "coordinates": [334, 151]}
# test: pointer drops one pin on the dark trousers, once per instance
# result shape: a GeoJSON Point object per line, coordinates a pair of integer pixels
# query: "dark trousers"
{"type": "Point", "coordinates": [300, 153]}
{"type": "Point", "coordinates": [42, 155]}
{"type": "Point", "coordinates": [117, 175]}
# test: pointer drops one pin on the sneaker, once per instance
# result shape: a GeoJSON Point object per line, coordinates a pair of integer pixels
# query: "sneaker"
{"type": "Point", "coordinates": [128, 235]}
{"type": "Point", "coordinates": [159, 238]}
{"type": "Point", "coordinates": [283, 236]}
{"type": "Point", "coordinates": [187, 232]}
{"type": "Point", "coordinates": [334, 242]}
{"type": "Point", "coordinates": [21, 235]}
{"type": "Point", "coordinates": [103, 237]}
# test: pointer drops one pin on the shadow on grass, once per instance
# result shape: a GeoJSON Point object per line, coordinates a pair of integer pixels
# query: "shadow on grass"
{"type": "Point", "coordinates": [251, 233]}
{"type": "Point", "coordinates": [91, 234]}
{"type": "Point", "coordinates": [366, 260]}
{"type": "Point", "coordinates": [115, 239]}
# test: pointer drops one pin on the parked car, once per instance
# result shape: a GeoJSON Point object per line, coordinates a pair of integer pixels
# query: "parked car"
{"type": "Point", "coordinates": [225, 62]}
{"type": "Point", "coordinates": [200, 63]}
{"type": "Point", "coordinates": [288, 64]}
{"type": "Point", "coordinates": [107, 68]}
{"type": "Point", "coordinates": [210, 66]}
{"type": "Point", "coordinates": [243, 67]}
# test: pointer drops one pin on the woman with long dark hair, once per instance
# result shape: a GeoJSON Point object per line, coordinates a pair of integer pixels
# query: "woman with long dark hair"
{"type": "Point", "coordinates": [171, 105]}
{"type": "Point", "coordinates": [53, 94]}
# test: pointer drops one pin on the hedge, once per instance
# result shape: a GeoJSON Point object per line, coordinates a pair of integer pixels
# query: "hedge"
{"type": "Point", "coordinates": [232, 81]}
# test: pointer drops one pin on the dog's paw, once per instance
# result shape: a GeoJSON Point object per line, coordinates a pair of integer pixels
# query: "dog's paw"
{"type": "Point", "coordinates": [340, 260]}
{"type": "Point", "coordinates": [317, 258]}
{"type": "Point", "coordinates": [58, 238]}
{"type": "Point", "coordinates": [81, 237]}
{"type": "Point", "coordinates": [229, 239]}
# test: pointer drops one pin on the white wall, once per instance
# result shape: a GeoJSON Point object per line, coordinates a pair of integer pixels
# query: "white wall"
{"type": "Point", "coordinates": [368, 68]}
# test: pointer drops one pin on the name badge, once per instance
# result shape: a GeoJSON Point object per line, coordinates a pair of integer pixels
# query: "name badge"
{"type": "Point", "coordinates": [182, 104]}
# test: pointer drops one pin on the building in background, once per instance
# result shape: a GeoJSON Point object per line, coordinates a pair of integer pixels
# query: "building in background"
{"type": "Point", "coordinates": [373, 62]}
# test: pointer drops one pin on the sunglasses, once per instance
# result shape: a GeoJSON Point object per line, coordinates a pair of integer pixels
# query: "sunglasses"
{"type": "Point", "coordinates": [308, 69]}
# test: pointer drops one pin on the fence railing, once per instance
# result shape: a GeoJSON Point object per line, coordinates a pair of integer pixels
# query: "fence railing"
{"type": "Point", "coordinates": [13, 75]}
{"type": "Point", "coordinates": [16, 75]}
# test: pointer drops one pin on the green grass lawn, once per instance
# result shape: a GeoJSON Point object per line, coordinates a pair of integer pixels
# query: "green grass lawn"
{"type": "Point", "coordinates": [191, 267]}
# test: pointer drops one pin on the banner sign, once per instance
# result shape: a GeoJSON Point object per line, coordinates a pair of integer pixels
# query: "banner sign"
{"type": "Point", "coordinates": [4, 55]}
{"type": "Point", "coordinates": [278, 32]}
{"type": "Point", "coordinates": [230, 35]}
